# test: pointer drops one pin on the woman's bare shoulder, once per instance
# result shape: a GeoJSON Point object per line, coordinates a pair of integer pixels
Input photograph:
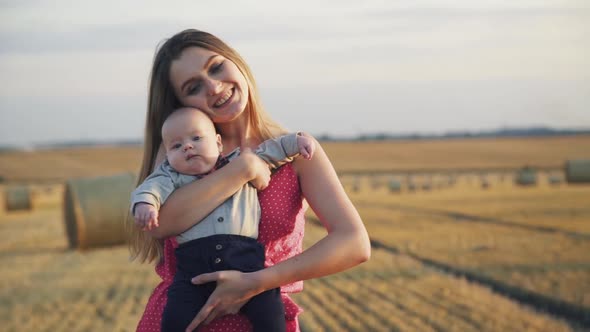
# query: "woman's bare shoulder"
{"type": "Point", "coordinates": [318, 168]}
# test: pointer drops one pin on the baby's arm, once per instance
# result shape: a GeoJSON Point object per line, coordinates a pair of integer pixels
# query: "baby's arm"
{"type": "Point", "coordinates": [281, 150]}
{"type": "Point", "coordinates": [306, 146]}
{"type": "Point", "coordinates": [146, 216]}
{"type": "Point", "coordinates": [147, 198]}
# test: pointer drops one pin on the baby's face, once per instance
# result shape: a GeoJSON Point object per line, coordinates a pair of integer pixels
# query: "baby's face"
{"type": "Point", "coordinates": [192, 146]}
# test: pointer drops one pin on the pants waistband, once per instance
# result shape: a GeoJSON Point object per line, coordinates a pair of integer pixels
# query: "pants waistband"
{"type": "Point", "coordinates": [216, 239]}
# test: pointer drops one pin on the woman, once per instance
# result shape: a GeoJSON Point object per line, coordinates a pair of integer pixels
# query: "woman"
{"type": "Point", "coordinates": [196, 69]}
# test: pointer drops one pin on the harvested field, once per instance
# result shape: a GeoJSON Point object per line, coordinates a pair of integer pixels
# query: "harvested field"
{"type": "Point", "coordinates": [46, 287]}
{"type": "Point", "coordinates": [360, 157]}
{"type": "Point", "coordinates": [459, 247]}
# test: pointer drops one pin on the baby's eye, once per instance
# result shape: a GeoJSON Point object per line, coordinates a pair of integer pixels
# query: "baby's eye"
{"type": "Point", "coordinates": [197, 138]}
{"type": "Point", "coordinates": [176, 146]}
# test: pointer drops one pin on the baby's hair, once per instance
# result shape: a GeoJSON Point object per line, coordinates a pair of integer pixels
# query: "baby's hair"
{"type": "Point", "coordinates": [188, 108]}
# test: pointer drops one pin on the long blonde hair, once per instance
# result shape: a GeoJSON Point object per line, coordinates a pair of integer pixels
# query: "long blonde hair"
{"type": "Point", "coordinates": [162, 101]}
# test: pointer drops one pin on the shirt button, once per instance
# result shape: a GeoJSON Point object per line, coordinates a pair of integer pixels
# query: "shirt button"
{"type": "Point", "coordinates": [219, 247]}
{"type": "Point", "coordinates": [220, 219]}
{"type": "Point", "coordinates": [217, 260]}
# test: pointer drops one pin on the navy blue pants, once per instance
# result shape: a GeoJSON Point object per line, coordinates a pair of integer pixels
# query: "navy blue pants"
{"type": "Point", "coordinates": [217, 253]}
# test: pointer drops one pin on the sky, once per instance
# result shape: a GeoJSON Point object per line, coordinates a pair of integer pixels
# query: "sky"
{"type": "Point", "coordinates": [74, 70]}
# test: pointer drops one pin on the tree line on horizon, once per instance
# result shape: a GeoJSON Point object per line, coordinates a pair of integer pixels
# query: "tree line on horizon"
{"type": "Point", "coordinates": [380, 136]}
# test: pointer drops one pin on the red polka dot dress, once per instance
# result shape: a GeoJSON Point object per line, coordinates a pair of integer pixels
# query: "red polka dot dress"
{"type": "Point", "coordinates": [281, 231]}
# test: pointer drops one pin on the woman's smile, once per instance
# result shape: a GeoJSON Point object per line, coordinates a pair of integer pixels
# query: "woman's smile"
{"type": "Point", "coordinates": [225, 98]}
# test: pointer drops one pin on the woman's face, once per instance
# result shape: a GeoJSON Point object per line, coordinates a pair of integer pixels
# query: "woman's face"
{"type": "Point", "coordinates": [206, 80]}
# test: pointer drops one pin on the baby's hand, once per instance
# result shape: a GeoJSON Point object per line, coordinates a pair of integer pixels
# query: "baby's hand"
{"type": "Point", "coordinates": [146, 216]}
{"type": "Point", "coordinates": [306, 146]}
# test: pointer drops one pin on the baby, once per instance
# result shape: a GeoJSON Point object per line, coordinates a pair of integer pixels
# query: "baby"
{"type": "Point", "coordinates": [226, 238]}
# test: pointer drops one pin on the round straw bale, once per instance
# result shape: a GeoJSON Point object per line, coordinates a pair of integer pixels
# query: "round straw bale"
{"type": "Point", "coordinates": [526, 176]}
{"type": "Point", "coordinates": [485, 184]}
{"type": "Point", "coordinates": [356, 185]}
{"type": "Point", "coordinates": [95, 210]}
{"type": "Point", "coordinates": [395, 186]}
{"type": "Point", "coordinates": [2, 199]}
{"type": "Point", "coordinates": [554, 179]}
{"type": "Point", "coordinates": [426, 186]}
{"type": "Point", "coordinates": [450, 181]}
{"type": "Point", "coordinates": [376, 182]}
{"type": "Point", "coordinates": [577, 171]}
{"type": "Point", "coordinates": [18, 198]}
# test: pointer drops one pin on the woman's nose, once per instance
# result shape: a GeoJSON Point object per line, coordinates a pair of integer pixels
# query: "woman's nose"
{"type": "Point", "coordinates": [213, 87]}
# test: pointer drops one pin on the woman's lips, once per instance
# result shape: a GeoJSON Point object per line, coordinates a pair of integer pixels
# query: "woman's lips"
{"type": "Point", "coordinates": [225, 98]}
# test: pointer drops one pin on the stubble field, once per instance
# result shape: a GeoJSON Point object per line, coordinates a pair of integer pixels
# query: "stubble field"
{"type": "Point", "coordinates": [449, 253]}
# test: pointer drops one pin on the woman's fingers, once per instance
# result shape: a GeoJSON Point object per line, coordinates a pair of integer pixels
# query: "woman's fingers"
{"type": "Point", "coordinates": [232, 291]}
{"type": "Point", "coordinates": [206, 277]}
{"type": "Point", "coordinates": [205, 315]}
{"type": "Point", "coordinates": [216, 312]}
{"type": "Point", "coordinates": [210, 310]}
{"type": "Point", "coordinates": [260, 182]}
{"type": "Point", "coordinates": [259, 169]}
{"type": "Point", "coordinates": [201, 316]}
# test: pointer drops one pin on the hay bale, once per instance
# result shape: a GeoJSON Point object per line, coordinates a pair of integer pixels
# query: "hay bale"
{"type": "Point", "coordinates": [18, 198]}
{"type": "Point", "coordinates": [376, 182]}
{"type": "Point", "coordinates": [554, 179]}
{"type": "Point", "coordinates": [577, 171]}
{"type": "Point", "coordinates": [2, 200]}
{"type": "Point", "coordinates": [356, 185]}
{"type": "Point", "coordinates": [485, 183]}
{"type": "Point", "coordinates": [395, 186]}
{"type": "Point", "coordinates": [95, 210]}
{"type": "Point", "coordinates": [452, 179]}
{"type": "Point", "coordinates": [526, 177]}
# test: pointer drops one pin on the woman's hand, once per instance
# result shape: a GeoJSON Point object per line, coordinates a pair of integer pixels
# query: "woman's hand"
{"type": "Point", "coordinates": [258, 169]}
{"type": "Point", "coordinates": [191, 203]}
{"type": "Point", "coordinates": [234, 289]}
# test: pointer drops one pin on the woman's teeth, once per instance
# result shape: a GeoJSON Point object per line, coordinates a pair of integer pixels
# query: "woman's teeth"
{"type": "Point", "coordinates": [225, 97]}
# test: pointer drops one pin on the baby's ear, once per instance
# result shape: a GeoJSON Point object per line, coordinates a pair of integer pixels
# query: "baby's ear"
{"type": "Point", "coordinates": [219, 144]}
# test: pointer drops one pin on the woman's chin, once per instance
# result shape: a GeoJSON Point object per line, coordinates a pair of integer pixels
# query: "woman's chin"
{"type": "Point", "coordinates": [229, 113]}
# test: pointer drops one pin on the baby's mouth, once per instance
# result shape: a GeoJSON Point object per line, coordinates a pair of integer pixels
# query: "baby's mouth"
{"type": "Point", "coordinates": [191, 156]}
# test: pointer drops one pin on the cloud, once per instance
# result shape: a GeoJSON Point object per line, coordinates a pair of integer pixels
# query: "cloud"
{"type": "Point", "coordinates": [390, 60]}
{"type": "Point", "coordinates": [89, 38]}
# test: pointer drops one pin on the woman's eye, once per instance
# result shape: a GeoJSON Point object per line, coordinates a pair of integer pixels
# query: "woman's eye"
{"type": "Point", "coordinates": [217, 68]}
{"type": "Point", "coordinates": [197, 138]}
{"type": "Point", "coordinates": [194, 89]}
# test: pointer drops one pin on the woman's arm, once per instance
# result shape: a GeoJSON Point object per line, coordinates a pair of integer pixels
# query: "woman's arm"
{"type": "Point", "coordinates": [346, 245]}
{"type": "Point", "coordinates": [191, 203]}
